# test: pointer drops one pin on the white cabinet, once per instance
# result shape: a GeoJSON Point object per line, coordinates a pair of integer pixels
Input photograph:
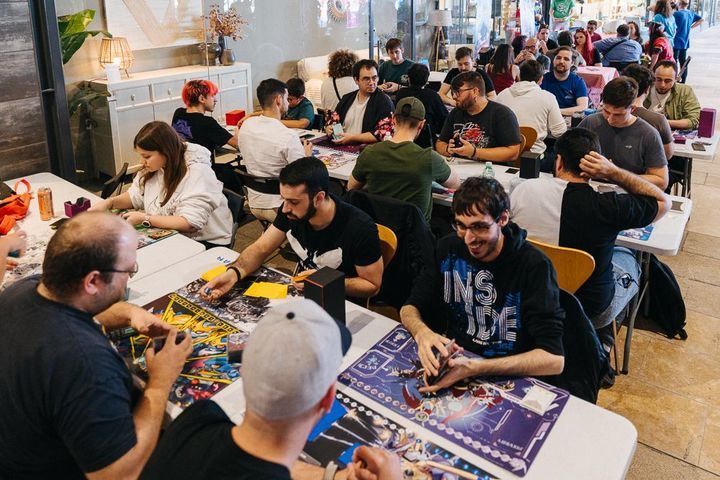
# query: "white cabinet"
{"type": "Point", "coordinates": [148, 96]}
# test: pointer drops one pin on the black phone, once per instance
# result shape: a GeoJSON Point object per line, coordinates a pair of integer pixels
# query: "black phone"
{"type": "Point", "coordinates": [159, 342]}
{"type": "Point", "coordinates": [698, 147]}
{"type": "Point", "coordinates": [307, 136]}
{"type": "Point", "coordinates": [55, 225]}
{"type": "Point", "coordinates": [512, 171]}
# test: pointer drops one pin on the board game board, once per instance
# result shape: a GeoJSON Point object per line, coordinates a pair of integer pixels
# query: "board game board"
{"type": "Point", "coordinates": [503, 420]}
{"type": "Point", "coordinates": [207, 370]}
{"type": "Point", "coordinates": [148, 236]}
{"type": "Point", "coordinates": [638, 233]}
{"type": "Point", "coordinates": [333, 158]}
{"type": "Point", "coordinates": [28, 264]}
{"type": "Point", "coordinates": [350, 424]}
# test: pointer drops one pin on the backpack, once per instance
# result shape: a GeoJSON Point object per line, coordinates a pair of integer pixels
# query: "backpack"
{"type": "Point", "coordinates": [667, 307]}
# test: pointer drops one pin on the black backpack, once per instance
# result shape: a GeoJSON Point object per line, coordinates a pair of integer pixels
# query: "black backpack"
{"type": "Point", "coordinates": [667, 307]}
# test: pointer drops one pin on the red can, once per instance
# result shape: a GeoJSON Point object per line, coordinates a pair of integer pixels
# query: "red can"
{"type": "Point", "coordinates": [45, 202]}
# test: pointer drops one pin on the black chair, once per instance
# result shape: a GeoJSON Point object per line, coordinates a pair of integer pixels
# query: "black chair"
{"type": "Point", "coordinates": [319, 120]}
{"type": "Point", "coordinates": [266, 185]}
{"type": "Point", "coordinates": [115, 183]}
{"type": "Point", "coordinates": [236, 203]}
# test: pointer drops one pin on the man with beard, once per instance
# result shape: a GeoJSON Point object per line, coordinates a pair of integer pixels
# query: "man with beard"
{"type": "Point", "coordinates": [67, 407]}
{"type": "Point", "coordinates": [491, 291]}
{"type": "Point", "coordinates": [322, 230]}
{"type": "Point", "coordinates": [569, 89]}
{"type": "Point", "coordinates": [478, 129]}
{"type": "Point", "coordinates": [676, 101]}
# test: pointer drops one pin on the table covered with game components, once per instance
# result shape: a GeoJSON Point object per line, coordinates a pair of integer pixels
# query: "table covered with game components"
{"type": "Point", "coordinates": [481, 428]}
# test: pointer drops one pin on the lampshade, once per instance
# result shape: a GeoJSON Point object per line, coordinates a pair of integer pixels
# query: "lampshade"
{"type": "Point", "coordinates": [116, 50]}
{"type": "Point", "coordinates": [440, 18]}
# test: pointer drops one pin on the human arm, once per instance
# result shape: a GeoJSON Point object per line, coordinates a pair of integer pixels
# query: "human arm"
{"type": "Point", "coordinates": [373, 463]}
{"type": "Point", "coordinates": [494, 154]}
{"type": "Point", "coordinates": [14, 242]}
{"type": "Point", "coordinates": [581, 104]}
{"type": "Point", "coordinates": [249, 260]}
{"type": "Point", "coordinates": [425, 337]}
{"type": "Point", "coordinates": [689, 112]}
{"type": "Point", "coordinates": [697, 20]}
{"type": "Point", "coordinates": [669, 150]}
{"type": "Point", "coordinates": [123, 314]}
{"type": "Point", "coordinates": [555, 121]}
{"type": "Point", "coordinates": [299, 123]}
{"type": "Point", "coordinates": [354, 184]}
{"type": "Point", "coordinates": [171, 222]}
{"type": "Point", "coordinates": [358, 177]}
{"type": "Point", "coordinates": [361, 138]}
{"type": "Point", "coordinates": [445, 94]}
{"type": "Point", "coordinates": [119, 202]}
{"type": "Point", "coordinates": [368, 281]}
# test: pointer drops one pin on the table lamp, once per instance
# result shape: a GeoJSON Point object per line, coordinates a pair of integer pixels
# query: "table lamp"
{"type": "Point", "coordinates": [439, 19]}
{"type": "Point", "coordinates": [116, 51]}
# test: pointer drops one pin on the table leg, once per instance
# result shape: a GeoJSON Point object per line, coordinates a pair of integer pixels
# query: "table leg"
{"type": "Point", "coordinates": [644, 259]}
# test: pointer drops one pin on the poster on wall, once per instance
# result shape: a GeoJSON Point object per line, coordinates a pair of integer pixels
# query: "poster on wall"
{"type": "Point", "coordinates": [527, 17]}
{"type": "Point", "coordinates": [155, 23]}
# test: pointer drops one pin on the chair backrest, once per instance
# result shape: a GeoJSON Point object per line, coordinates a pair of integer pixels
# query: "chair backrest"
{"type": "Point", "coordinates": [388, 243]}
{"type": "Point", "coordinates": [111, 186]}
{"type": "Point", "coordinates": [573, 267]}
{"type": "Point", "coordinates": [530, 135]}
{"type": "Point", "coordinates": [236, 203]}
{"type": "Point", "coordinates": [259, 184]}
{"type": "Point", "coordinates": [516, 161]}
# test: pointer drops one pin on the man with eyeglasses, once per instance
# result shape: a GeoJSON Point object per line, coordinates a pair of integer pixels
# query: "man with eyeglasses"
{"type": "Point", "coordinates": [300, 113]}
{"type": "Point", "coordinates": [464, 63]}
{"type": "Point", "coordinates": [532, 52]}
{"type": "Point", "coordinates": [628, 141]}
{"type": "Point", "coordinates": [360, 112]}
{"type": "Point", "coordinates": [67, 405]}
{"type": "Point", "coordinates": [477, 128]}
{"type": "Point", "coordinates": [490, 291]}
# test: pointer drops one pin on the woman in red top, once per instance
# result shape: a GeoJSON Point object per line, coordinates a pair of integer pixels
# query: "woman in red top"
{"type": "Point", "coordinates": [658, 47]}
{"type": "Point", "coordinates": [502, 69]}
{"type": "Point", "coordinates": [586, 48]}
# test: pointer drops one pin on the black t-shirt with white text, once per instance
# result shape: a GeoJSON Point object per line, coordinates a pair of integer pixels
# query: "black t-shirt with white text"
{"type": "Point", "coordinates": [201, 129]}
{"type": "Point", "coordinates": [495, 126]}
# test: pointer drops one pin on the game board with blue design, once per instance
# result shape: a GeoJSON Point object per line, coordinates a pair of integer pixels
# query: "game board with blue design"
{"type": "Point", "coordinates": [350, 424]}
{"type": "Point", "coordinates": [503, 420]}
{"type": "Point", "coordinates": [638, 233]}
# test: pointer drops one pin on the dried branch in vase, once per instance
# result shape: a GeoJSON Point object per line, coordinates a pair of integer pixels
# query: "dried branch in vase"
{"type": "Point", "coordinates": [227, 24]}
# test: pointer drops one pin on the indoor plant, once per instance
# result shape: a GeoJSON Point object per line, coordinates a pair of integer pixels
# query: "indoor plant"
{"type": "Point", "coordinates": [228, 24]}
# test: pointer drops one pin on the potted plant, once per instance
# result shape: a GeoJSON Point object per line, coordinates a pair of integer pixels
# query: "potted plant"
{"type": "Point", "coordinates": [223, 25]}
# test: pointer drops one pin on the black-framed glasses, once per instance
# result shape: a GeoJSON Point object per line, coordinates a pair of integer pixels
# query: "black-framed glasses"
{"type": "Point", "coordinates": [477, 228]}
{"type": "Point", "coordinates": [131, 273]}
{"type": "Point", "coordinates": [456, 93]}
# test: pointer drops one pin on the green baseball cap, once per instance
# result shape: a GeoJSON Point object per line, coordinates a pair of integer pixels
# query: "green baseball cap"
{"type": "Point", "coordinates": [410, 107]}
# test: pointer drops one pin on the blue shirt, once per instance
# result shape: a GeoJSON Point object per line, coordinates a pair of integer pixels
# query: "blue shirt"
{"type": "Point", "coordinates": [684, 20]}
{"type": "Point", "coordinates": [669, 23]}
{"type": "Point", "coordinates": [627, 51]}
{"type": "Point", "coordinates": [567, 91]}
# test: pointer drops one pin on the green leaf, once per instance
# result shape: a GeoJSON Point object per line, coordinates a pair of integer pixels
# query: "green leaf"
{"type": "Point", "coordinates": [75, 23]}
{"type": "Point", "coordinates": [84, 97]}
{"type": "Point", "coordinates": [73, 33]}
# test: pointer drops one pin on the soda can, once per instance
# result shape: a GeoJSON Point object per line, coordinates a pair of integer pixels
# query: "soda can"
{"type": "Point", "coordinates": [45, 202]}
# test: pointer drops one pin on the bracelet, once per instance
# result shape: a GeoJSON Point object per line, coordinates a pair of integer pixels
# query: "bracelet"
{"type": "Point", "coordinates": [330, 471]}
{"type": "Point", "coordinates": [474, 151]}
{"type": "Point", "coordinates": [236, 270]}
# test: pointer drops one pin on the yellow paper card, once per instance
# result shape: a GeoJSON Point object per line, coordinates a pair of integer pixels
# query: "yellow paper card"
{"type": "Point", "coordinates": [213, 272]}
{"type": "Point", "coordinates": [267, 290]}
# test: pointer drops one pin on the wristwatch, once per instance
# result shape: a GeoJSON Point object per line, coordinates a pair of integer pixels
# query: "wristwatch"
{"type": "Point", "coordinates": [146, 221]}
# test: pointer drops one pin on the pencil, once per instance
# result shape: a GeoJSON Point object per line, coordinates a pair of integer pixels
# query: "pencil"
{"type": "Point", "coordinates": [449, 469]}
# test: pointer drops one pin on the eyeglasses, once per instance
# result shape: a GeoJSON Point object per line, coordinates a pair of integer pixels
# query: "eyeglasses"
{"type": "Point", "coordinates": [456, 93]}
{"type": "Point", "coordinates": [374, 78]}
{"type": "Point", "coordinates": [131, 273]}
{"type": "Point", "coordinates": [477, 228]}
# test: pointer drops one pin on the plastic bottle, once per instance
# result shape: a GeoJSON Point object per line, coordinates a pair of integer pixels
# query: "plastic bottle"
{"type": "Point", "coordinates": [489, 172]}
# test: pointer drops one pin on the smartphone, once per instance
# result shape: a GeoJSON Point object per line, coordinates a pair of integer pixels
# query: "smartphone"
{"type": "Point", "coordinates": [512, 171]}
{"type": "Point", "coordinates": [698, 147]}
{"type": "Point", "coordinates": [159, 342]}
{"type": "Point", "coordinates": [443, 369]}
{"type": "Point", "coordinates": [337, 130]}
{"type": "Point", "coordinates": [307, 136]}
{"type": "Point", "coordinates": [56, 225]}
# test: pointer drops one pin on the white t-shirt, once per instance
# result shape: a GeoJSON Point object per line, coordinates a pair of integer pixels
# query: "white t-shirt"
{"type": "Point", "coordinates": [354, 116]}
{"type": "Point", "coordinates": [266, 146]}
{"type": "Point", "coordinates": [657, 101]}
{"type": "Point", "coordinates": [328, 97]}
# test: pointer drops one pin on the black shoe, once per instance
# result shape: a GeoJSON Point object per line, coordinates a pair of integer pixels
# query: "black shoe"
{"type": "Point", "coordinates": [608, 379]}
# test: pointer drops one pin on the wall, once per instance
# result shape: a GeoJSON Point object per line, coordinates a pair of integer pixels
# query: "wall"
{"type": "Point", "coordinates": [23, 149]}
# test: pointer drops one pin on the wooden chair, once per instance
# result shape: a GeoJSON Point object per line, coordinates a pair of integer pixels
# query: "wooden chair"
{"type": "Point", "coordinates": [388, 247]}
{"type": "Point", "coordinates": [516, 161]}
{"type": "Point", "coordinates": [530, 137]}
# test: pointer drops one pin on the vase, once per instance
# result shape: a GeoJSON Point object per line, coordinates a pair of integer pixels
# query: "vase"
{"type": "Point", "coordinates": [227, 57]}
{"type": "Point", "coordinates": [221, 44]}
{"type": "Point", "coordinates": [211, 52]}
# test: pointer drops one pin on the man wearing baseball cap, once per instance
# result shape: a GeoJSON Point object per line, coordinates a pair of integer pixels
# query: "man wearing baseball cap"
{"type": "Point", "coordinates": [398, 167]}
{"type": "Point", "coordinates": [289, 368]}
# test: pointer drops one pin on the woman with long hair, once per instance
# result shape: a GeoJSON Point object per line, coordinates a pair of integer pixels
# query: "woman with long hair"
{"type": "Point", "coordinates": [635, 32]}
{"type": "Point", "coordinates": [176, 188]}
{"type": "Point", "coordinates": [339, 80]}
{"type": "Point", "coordinates": [664, 15]}
{"type": "Point", "coordinates": [658, 47]}
{"type": "Point", "coordinates": [502, 69]}
{"type": "Point", "coordinates": [584, 45]}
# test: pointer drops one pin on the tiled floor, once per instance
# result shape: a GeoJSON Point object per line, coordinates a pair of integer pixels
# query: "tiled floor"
{"type": "Point", "coordinates": [672, 394]}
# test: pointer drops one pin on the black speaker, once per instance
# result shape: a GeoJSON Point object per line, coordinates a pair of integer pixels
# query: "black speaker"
{"type": "Point", "coordinates": [529, 165]}
{"type": "Point", "coordinates": [326, 287]}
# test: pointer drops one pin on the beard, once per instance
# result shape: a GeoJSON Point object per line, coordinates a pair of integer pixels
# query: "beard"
{"type": "Point", "coordinates": [481, 249]}
{"type": "Point", "coordinates": [308, 215]}
{"type": "Point", "coordinates": [561, 69]}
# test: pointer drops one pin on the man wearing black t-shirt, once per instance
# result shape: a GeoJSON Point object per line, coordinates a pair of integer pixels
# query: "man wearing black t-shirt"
{"type": "Point", "coordinates": [435, 111]}
{"type": "Point", "coordinates": [566, 211]}
{"type": "Point", "coordinates": [491, 291]}
{"type": "Point", "coordinates": [322, 230]}
{"type": "Point", "coordinates": [67, 406]}
{"type": "Point", "coordinates": [465, 63]}
{"type": "Point", "coordinates": [477, 128]}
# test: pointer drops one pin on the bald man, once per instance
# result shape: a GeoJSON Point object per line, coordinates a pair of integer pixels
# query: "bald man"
{"type": "Point", "coordinates": [67, 407]}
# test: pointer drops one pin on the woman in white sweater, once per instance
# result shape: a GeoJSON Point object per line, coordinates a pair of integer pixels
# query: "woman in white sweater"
{"type": "Point", "coordinates": [176, 189]}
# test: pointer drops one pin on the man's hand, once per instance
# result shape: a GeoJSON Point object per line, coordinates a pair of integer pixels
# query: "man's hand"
{"type": "Point", "coordinates": [134, 218]}
{"type": "Point", "coordinates": [542, 46]}
{"type": "Point", "coordinates": [371, 463]}
{"type": "Point", "coordinates": [459, 368]}
{"type": "Point", "coordinates": [426, 341]}
{"type": "Point", "coordinates": [299, 286]}
{"type": "Point", "coordinates": [594, 165]}
{"type": "Point", "coordinates": [345, 138]}
{"type": "Point", "coordinates": [165, 366]}
{"type": "Point", "coordinates": [219, 286]}
{"type": "Point", "coordinates": [465, 150]}
{"type": "Point", "coordinates": [308, 147]}
{"type": "Point", "coordinates": [15, 242]}
{"type": "Point", "coordinates": [389, 87]}
{"type": "Point", "coordinates": [148, 324]}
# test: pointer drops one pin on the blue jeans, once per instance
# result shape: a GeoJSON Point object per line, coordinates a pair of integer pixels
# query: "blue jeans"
{"type": "Point", "coordinates": [626, 271]}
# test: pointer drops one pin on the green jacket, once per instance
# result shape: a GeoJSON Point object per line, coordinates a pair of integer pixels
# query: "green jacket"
{"type": "Point", "coordinates": [682, 104]}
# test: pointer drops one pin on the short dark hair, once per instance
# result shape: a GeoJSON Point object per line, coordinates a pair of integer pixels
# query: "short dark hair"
{"type": "Point", "coordinates": [310, 171]}
{"type": "Point", "coordinates": [360, 64]}
{"type": "Point", "coordinates": [296, 87]}
{"type": "Point", "coordinates": [268, 90]}
{"type": "Point", "coordinates": [418, 75]}
{"type": "Point", "coordinates": [74, 251]}
{"type": "Point", "coordinates": [620, 92]}
{"type": "Point", "coordinates": [463, 52]}
{"type": "Point", "coordinates": [573, 145]}
{"type": "Point", "coordinates": [642, 75]}
{"type": "Point", "coordinates": [392, 44]}
{"type": "Point", "coordinates": [480, 195]}
{"type": "Point", "coordinates": [565, 38]}
{"type": "Point", "coordinates": [543, 26]}
{"type": "Point", "coordinates": [666, 63]}
{"type": "Point", "coordinates": [472, 79]}
{"type": "Point", "coordinates": [563, 48]}
{"type": "Point", "coordinates": [592, 22]}
{"type": "Point", "coordinates": [623, 30]}
{"type": "Point", "coordinates": [531, 71]}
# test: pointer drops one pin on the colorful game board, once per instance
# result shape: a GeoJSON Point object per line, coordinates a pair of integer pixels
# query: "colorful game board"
{"type": "Point", "coordinates": [638, 233]}
{"type": "Point", "coordinates": [333, 158]}
{"type": "Point", "coordinates": [503, 420]}
{"type": "Point", "coordinates": [148, 236]}
{"type": "Point", "coordinates": [30, 263]}
{"type": "Point", "coordinates": [350, 424]}
{"type": "Point", "coordinates": [207, 370]}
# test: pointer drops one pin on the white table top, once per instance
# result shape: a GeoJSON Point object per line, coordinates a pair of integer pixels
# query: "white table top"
{"type": "Point", "coordinates": [686, 150]}
{"type": "Point", "coordinates": [150, 259]}
{"type": "Point", "coordinates": [587, 441]}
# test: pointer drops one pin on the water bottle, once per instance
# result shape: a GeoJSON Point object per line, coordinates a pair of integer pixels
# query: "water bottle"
{"type": "Point", "coordinates": [488, 172]}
